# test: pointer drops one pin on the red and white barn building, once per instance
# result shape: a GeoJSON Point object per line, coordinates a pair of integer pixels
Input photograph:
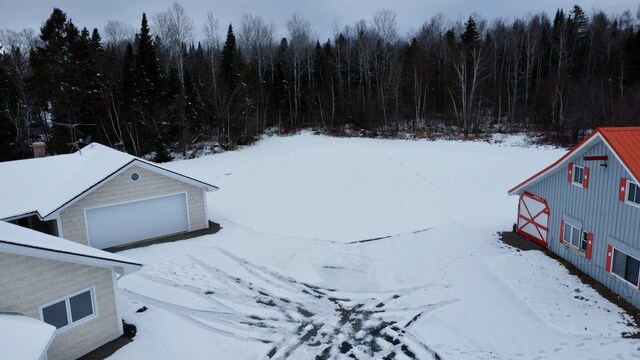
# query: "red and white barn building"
{"type": "Point", "coordinates": [585, 207]}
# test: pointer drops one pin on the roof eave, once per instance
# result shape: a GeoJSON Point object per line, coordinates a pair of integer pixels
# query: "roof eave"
{"type": "Point", "coordinates": [597, 134]}
{"type": "Point", "coordinates": [193, 181]}
{"type": "Point", "coordinates": [121, 267]}
{"type": "Point", "coordinates": [518, 189]}
{"type": "Point", "coordinates": [135, 161]}
{"type": "Point", "coordinates": [20, 216]}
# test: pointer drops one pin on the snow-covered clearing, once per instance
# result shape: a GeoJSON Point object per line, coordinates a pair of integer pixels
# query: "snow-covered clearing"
{"type": "Point", "coordinates": [289, 275]}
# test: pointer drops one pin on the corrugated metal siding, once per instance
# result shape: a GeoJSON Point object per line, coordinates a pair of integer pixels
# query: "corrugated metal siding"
{"type": "Point", "coordinates": [600, 211]}
{"type": "Point", "coordinates": [121, 189]}
{"type": "Point", "coordinates": [28, 283]}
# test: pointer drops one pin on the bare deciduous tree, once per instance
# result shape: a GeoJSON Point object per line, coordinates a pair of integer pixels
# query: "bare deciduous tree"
{"type": "Point", "coordinates": [175, 28]}
{"type": "Point", "coordinates": [256, 43]}
{"type": "Point", "coordinates": [118, 33]}
{"type": "Point", "coordinates": [299, 29]}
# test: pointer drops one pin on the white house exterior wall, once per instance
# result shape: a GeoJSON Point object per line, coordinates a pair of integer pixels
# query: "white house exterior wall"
{"type": "Point", "coordinates": [121, 189]}
{"type": "Point", "coordinates": [600, 212]}
{"type": "Point", "coordinates": [27, 283]}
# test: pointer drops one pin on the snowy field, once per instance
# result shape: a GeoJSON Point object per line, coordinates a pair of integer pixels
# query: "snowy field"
{"type": "Point", "coordinates": [338, 248]}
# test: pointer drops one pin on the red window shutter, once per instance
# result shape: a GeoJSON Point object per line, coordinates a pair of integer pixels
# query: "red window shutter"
{"type": "Point", "coordinates": [585, 181]}
{"type": "Point", "coordinates": [589, 245]}
{"type": "Point", "coordinates": [609, 258]}
{"type": "Point", "coordinates": [562, 232]}
{"type": "Point", "coordinates": [622, 191]}
{"type": "Point", "coordinates": [570, 177]}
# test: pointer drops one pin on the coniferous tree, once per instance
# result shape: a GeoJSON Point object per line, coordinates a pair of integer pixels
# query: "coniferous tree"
{"type": "Point", "coordinates": [567, 73]}
{"type": "Point", "coordinates": [231, 61]}
{"type": "Point", "coordinates": [64, 77]}
{"type": "Point", "coordinates": [149, 86]}
{"type": "Point", "coordinates": [230, 76]}
{"type": "Point", "coordinates": [7, 131]}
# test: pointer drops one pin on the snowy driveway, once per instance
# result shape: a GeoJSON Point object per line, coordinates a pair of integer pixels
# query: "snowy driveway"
{"type": "Point", "coordinates": [288, 277]}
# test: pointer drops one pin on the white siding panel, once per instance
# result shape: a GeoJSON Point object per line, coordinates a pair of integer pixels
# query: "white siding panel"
{"type": "Point", "coordinates": [28, 283]}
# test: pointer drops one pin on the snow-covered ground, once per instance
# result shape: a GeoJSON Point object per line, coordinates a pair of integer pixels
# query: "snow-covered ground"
{"type": "Point", "coordinates": [292, 275]}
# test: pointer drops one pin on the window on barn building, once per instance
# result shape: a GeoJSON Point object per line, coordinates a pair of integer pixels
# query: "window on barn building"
{"type": "Point", "coordinates": [578, 175]}
{"type": "Point", "coordinates": [626, 266]}
{"type": "Point", "coordinates": [70, 310]}
{"type": "Point", "coordinates": [633, 194]}
{"type": "Point", "coordinates": [575, 237]}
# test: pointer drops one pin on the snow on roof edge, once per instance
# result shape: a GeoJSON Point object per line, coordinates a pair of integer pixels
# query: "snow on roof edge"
{"type": "Point", "coordinates": [68, 178]}
{"type": "Point", "coordinates": [24, 337]}
{"type": "Point", "coordinates": [22, 241]}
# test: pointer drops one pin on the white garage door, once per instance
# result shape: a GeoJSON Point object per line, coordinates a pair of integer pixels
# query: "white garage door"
{"type": "Point", "coordinates": [134, 221]}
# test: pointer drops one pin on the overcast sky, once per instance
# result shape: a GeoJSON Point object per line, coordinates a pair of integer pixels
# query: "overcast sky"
{"type": "Point", "coordinates": [411, 14]}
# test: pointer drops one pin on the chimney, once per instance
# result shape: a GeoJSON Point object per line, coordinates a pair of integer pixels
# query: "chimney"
{"type": "Point", "coordinates": [120, 146]}
{"type": "Point", "coordinates": [39, 149]}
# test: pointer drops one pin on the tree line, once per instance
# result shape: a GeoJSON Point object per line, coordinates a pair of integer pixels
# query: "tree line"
{"type": "Point", "coordinates": [154, 89]}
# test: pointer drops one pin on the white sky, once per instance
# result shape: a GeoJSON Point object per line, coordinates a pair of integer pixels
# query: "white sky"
{"type": "Point", "coordinates": [411, 14]}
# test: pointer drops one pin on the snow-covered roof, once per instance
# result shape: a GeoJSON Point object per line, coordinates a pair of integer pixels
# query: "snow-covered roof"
{"type": "Point", "coordinates": [22, 337]}
{"type": "Point", "coordinates": [43, 186]}
{"type": "Point", "coordinates": [18, 240]}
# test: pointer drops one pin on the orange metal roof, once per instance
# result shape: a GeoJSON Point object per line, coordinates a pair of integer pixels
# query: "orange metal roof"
{"type": "Point", "coordinates": [624, 141]}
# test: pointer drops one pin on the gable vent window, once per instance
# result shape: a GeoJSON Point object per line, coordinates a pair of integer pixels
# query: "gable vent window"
{"type": "Point", "coordinates": [578, 175]}
{"type": "Point", "coordinates": [134, 177]}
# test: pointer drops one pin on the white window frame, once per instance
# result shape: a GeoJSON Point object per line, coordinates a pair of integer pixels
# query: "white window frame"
{"type": "Point", "coordinates": [70, 322]}
{"type": "Point", "coordinates": [628, 193]}
{"type": "Point", "coordinates": [581, 237]}
{"type": "Point", "coordinates": [573, 176]}
{"type": "Point", "coordinates": [615, 249]}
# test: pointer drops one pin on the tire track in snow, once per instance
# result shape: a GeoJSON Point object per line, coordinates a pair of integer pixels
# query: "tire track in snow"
{"type": "Point", "coordinates": [307, 319]}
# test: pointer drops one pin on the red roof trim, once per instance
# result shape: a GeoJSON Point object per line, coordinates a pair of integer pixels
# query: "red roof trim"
{"type": "Point", "coordinates": [580, 144]}
{"type": "Point", "coordinates": [624, 154]}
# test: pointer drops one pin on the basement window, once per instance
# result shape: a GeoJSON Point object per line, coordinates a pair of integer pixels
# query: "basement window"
{"type": "Point", "coordinates": [575, 237]}
{"type": "Point", "coordinates": [626, 266]}
{"type": "Point", "coordinates": [633, 193]}
{"type": "Point", "coordinates": [71, 310]}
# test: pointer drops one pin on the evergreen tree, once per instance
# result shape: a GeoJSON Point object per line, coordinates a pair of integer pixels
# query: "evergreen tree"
{"type": "Point", "coordinates": [7, 131]}
{"type": "Point", "coordinates": [148, 75]}
{"type": "Point", "coordinates": [150, 115]}
{"type": "Point", "coordinates": [65, 77]}
{"type": "Point", "coordinates": [231, 62]}
{"type": "Point", "coordinates": [470, 36]}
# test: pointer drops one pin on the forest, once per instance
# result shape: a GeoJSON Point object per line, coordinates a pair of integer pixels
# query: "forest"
{"type": "Point", "coordinates": [155, 89]}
